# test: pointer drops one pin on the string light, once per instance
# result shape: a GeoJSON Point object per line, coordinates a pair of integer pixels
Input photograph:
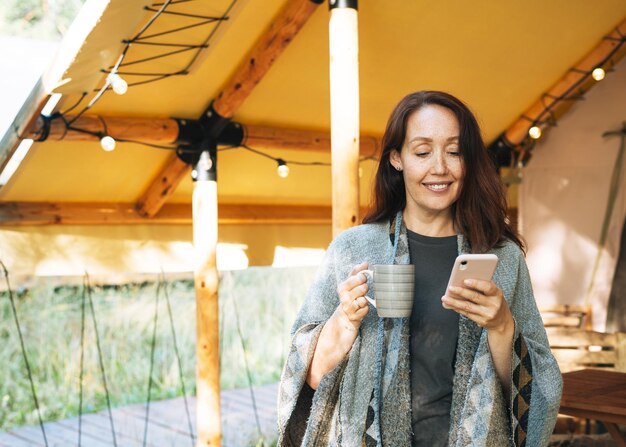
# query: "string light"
{"type": "Point", "coordinates": [503, 150]}
{"type": "Point", "coordinates": [598, 73]}
{"type": "Point", "coordinates": [119, 85]}
{"type": "Point", "coordinates": [282, 169]}
{"type": "Point", "coordinates": [108, 143]}
{"type": "Point", "coordinates": [534, 132]}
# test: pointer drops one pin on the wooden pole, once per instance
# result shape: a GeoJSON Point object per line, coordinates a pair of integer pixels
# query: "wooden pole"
{"type": "Point", "coordinates": [344, 113]}
{"type": "Point", "coordinates": [208, 418]}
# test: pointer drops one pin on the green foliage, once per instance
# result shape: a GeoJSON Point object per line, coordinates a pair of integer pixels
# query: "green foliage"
{"type": "Point", "coordinates": [43, 19]}
{"type": "Point", "coordinates": [50, 317]}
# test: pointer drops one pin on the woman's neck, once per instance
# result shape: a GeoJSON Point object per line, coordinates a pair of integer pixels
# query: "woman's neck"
{"type": "Point", "coordinates": [434, 225]}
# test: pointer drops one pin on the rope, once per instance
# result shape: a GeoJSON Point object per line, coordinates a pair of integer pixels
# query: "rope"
{"type": "Point", "coordinates": [82, 356]}
{"type": "Point", "coordinates": [180, 364]}
{"type": "Point", "coordinates": [19, 332]}
{"type": "Point", "coordinates": [152, 349]}
{"type": "Point", "coordinates": [613, 190]}
{"type": "Point", "coordinates": [245, 362]}
{"type": "Point", "coordinates": [102, 371]}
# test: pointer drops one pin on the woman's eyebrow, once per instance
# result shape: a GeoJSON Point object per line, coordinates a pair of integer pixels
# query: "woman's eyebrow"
{"type": "Point", "coordinates": [429, 140]}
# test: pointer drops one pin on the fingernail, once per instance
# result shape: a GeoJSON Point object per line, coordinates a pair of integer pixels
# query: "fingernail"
{"type": "Point", "coordinates": [468, 282]}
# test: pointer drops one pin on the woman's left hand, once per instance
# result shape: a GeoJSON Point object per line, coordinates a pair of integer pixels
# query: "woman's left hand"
{"type": "Point", "coordinates": [480, 301]}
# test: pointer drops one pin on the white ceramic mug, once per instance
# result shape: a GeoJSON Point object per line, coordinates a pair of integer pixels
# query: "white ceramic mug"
{"type": "Point", "coordinates": [393, 289]}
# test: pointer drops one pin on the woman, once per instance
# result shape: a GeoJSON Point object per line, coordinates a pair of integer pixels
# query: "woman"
{"type": "Point", "coordinates": [472, 366]}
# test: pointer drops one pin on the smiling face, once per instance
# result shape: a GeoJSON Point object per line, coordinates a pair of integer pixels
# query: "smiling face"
{"type": "Point", "coordinates": [431, 163]}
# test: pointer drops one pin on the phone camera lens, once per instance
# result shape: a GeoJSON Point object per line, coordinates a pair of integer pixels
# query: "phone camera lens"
{"type": "Point", "coordinates": [463, 262]}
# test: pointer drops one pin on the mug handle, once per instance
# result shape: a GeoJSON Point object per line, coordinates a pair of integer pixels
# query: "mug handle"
{"type": "Point", "coordinates": [369, 274]}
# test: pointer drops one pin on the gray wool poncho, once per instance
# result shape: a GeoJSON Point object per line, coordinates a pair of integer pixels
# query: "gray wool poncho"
{"type": "Point", "coordinates": [366, 399]}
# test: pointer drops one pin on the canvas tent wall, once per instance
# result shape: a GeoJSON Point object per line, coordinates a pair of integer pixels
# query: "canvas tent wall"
{"type": "Point", "coordinates": [563, 198]}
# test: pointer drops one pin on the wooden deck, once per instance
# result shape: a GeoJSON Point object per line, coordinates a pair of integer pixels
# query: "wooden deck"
{"type": "Point", "coordinates": [167, 424]}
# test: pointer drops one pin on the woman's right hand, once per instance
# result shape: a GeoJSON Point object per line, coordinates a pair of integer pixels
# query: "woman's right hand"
{"type": "Point", "coordinates": [341, 329]}
{"type": "Point", "coordinates": [353, 306]}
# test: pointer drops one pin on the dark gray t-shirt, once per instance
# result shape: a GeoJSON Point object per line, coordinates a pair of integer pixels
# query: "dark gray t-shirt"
{"type": "Point", "coordinates": [434, 333]}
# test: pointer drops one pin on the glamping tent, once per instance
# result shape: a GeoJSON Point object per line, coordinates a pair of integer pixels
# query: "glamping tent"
{"type": "Point", "coordinates": [239, 91]}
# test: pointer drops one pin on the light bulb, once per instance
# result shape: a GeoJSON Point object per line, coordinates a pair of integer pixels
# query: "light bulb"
{"type": "Point", "coordinates": [283, 169]}
{"type": "Point", "coordinates": [107, 143]}
{"type": "Point", "coordinates": [119, 85]}
{"type": "Point", "coordinates": [534, 132]}
{"type": "Point", "coordinates": [598, 74]}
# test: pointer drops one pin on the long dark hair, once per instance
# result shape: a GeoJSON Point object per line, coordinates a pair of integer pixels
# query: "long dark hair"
{"type": "Point", "coordinates": [480, 213]}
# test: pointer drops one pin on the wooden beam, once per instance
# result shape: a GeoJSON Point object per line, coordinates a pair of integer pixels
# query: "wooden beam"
{"type": "Point", "coordinates": [165, 131]}
{"type": "Point", "coordinates": [162, 187]}
{"type": "Point", "coordinates": [249, 73]}
{"type": "Point", "coordinates": [259, 137]}
{"type": "Point", "coordinates": [518, 130]}
{"type": "Point", "coordinates": [263, 137]}
{"type": "Point", "coordinates": [268, 48]}
{"type": "Point", "coordinates": [149, 130]}
{"type": "Point", "coordinates": [14, 214]}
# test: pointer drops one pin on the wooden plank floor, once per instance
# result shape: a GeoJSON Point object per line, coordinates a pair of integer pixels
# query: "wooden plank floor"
{"type": "Point", "coordinates": [167, 427]}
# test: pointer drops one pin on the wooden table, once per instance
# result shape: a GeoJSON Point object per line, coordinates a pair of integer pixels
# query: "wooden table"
{"type": "Point", "coordinates": [596, 394]}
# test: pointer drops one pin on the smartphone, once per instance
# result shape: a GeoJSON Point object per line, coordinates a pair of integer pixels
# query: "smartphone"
{"type": "Point", "coordinates": [472, 266]}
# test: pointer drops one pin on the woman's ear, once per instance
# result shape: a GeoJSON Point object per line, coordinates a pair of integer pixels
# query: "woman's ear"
{"type": "Point", "coordinates": [395, 160]}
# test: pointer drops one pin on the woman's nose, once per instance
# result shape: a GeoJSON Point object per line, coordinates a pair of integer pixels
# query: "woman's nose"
{"type": "Point", "coordinates": [439, 164]}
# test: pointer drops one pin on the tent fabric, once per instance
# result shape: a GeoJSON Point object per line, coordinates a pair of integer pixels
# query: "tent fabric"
{"type": "Point", "coordinates": [563, 198]}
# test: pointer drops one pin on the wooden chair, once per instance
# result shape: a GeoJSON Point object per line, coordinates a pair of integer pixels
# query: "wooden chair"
{"type": "Point", "coordinates": [576, 348]}
{"type": "Point", "coordinates": [567, 315]}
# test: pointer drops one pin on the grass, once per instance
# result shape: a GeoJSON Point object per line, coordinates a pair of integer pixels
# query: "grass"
{"type": "Point", "coordinates": [266, 301]}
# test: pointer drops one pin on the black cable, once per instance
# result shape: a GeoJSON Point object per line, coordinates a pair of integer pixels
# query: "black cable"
{"type": "Point", "coordinates": [159, 56]}
{"type": "Point", "coordinates": [24, 355]}
{"type": "Point", "coordinates": [164, 5]}
{"type": "Point", "coordinates": [119, 61]}
{"type": "Point", "coordinates": [182, 28]}
{"type": "Point", "coordinates": [180, 364]}
{"type": "Point", "coordinates": [212, 33]}
{"type": "Point", "coordinates": [102, 370]}
{"type": "Point", "coordinates": [245, 362]}
{"type": "Point", "coordinates": [291, 162]}
{"type": "Point", "coordinates": [136, 73]}
{"type": "Point", "coordinates": [75, 105]}
{"type": "Point", "coordinates": [157, 78]}
{"type": "Point", "coordinates": [137, 39]}
{"type": "Point", "coordinates": [174, 2]}
{"type": "Point", "coordinates": [82, 353]}
{"type": "Point", "coordinates": [156, 146]}
{"type": "Point", "coordinates": [152, 349]}
{"type": "Point", "coordinates": [182, 14]}
{"type": "Point", "coordinates": [164, 44]}
{"type": "Point", "coordinates": [256, 151]}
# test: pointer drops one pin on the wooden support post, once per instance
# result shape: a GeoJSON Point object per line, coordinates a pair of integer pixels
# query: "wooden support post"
{"type": "Point", "coordinates": [208, 417]}
{"type": "Point", "coordinates": [344, 113]}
